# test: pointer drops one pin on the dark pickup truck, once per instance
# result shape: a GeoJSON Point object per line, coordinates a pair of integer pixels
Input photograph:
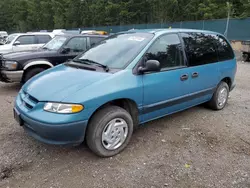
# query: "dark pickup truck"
{"type": "Point", "coordinates": [21, 66]}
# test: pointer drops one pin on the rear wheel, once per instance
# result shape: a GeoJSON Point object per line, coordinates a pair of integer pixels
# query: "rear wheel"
{"type": "Point", "coordinates": [220, 97]}
{"type": "Point", "coordinates": [32, 72]}
{"type": "Point", "coordinates": [109, 131]}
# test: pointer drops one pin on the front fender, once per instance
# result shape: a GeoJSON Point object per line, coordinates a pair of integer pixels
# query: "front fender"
{"type": "Point", "coordinates": [37, 62]}
{"type": "Point", "coordinates": [121, 85]}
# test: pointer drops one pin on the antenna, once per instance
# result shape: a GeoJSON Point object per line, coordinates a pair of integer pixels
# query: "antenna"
{"type": "Point", "coordinates": [228, 18]}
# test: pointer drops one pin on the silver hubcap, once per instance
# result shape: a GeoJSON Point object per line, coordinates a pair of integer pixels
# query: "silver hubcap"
{"type": "Point", "coordinates": [222, 97]}
{"type": "Point", "coordinates": [114, 134]}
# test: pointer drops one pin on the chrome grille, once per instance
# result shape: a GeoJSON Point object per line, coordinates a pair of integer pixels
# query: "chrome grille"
{"type": "Point", "coordinates": [28, 101]}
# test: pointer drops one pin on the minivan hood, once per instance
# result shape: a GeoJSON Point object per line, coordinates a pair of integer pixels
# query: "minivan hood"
{"type": "Point", "coordinates": [59, 82]}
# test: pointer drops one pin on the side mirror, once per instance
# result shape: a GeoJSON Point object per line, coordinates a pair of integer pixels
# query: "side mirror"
{"type": "Point", "coordinates": [16, 43]}
{"type": "Point", "coordinates": [150, 66]}
{"type": "Point", "coordinates": [65, 50]}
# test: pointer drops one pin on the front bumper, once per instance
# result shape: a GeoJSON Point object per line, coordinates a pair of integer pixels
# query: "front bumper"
{"type": "Point", "coordinates": [11, 76]}
{"type": "Point", "coordinates": [56, 134]}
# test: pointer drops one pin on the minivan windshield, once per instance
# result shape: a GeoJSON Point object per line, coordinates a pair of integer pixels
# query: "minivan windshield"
{"type": "Point", "coordinates": [56, 43]}
{"type": "Point", "coordinates": [117, 50]}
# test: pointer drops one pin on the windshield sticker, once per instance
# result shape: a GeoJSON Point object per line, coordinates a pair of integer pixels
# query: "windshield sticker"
{"type": "Point", "coordinates": [138, 39]}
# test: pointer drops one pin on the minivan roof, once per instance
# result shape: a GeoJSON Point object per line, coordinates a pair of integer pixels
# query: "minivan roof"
{"type": "Point", "coordinates": [162, 31]}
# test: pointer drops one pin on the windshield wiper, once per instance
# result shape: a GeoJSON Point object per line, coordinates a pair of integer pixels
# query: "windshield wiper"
{"type": "Point", "coordinates": [79, 64]}
{"type": "Point", "coordinates": [88, 61]}
{"type": "Point", "coordinates": [81, 61]}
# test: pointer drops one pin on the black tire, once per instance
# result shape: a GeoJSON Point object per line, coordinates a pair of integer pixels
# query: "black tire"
{"type": "Point", "coordinates": [97, 125]}
{"type": "Point", "coordinates": [214, 103]}
{"type": "Point", "coordinates": [32, 72]}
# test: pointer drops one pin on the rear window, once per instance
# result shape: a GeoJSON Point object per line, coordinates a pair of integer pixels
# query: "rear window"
{"type": "Point", "coordinates": [225, 51]}
{"type": "Point", "coordinates": [42, 39]}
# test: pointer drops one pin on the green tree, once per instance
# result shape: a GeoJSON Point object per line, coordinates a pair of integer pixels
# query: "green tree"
{"type": "Point", "coordinates": [26, 15]}
{"type": "Point", "coordinates": [245, 8]}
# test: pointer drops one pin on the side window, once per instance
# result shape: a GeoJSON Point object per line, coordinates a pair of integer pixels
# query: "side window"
{"type": "Point", "coordinates": [25, 40]}
{"type": "Point", "coordinates": [225, 51]}
{"type": "Point", "coordinates": [77, 44]}
{"type": "Point", "coordinates": [200, 48]}
{"type": "Point", "coordinates": [95, 40]}
{"type": "Point", "coordinates": [43, 39]}
{"type": "Point", "coordinates": [167, 50]}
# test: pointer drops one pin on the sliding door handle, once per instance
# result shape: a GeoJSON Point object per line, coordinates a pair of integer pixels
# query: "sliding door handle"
{"type": "Point", "coordinates": [195, 75]}
{"type": "Point", "coordinates": [184, 77]}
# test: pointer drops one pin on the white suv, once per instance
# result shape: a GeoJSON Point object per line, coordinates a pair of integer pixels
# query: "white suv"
{"type": "Point", "coordinates": [25, 41]}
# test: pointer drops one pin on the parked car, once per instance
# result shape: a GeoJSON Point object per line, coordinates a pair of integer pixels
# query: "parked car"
{"type": "Point", "coordinates": [3, 36]}
{"type": "Point", "coordinates": [25, 41]}
{"type": "Point", "coordinates": [88, 31]}
{"type": "Point", "coordinates": [94, 32]}
{"type": "Point", "coordinates": [128, 79]}
{"type": "Point", "coordinates": [245, 50]}
{"type": "Point", "coordinates": [21, 66]}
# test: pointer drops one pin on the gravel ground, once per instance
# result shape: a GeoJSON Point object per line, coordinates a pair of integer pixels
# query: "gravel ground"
{"type": "Point", "coordinates": [195, 148]}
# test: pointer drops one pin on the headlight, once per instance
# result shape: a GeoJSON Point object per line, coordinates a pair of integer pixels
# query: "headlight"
{"type": "Point", "coordinates": [63, 108]}
{"type": "Point", "coordinates": [10, 65]}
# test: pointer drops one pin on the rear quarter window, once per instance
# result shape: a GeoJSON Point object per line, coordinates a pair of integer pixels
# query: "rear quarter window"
{"type": "Point", "coordinates": [42, 39]}
{"type": "Point", "coordinates": [225, 51]}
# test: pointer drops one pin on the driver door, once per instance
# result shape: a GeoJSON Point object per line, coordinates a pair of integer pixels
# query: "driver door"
{"type": "Point", "coordinates": [164, 91]}
{"type": "Point", "coordinates": [72, 48]}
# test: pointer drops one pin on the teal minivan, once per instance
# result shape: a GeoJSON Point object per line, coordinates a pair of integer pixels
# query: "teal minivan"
{"type": "Point", "coordinates": [128, 79]}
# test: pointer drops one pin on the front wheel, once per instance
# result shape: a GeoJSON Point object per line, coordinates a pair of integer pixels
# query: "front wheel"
{"type": "Point", "coordinates": [32, 72]}
{"type": "Point", "coordinates": [220, 97]}
{"type": "Point", "coordinates": [109, 131]}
